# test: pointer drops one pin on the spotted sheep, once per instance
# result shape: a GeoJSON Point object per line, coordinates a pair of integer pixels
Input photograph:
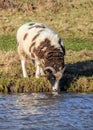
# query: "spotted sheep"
{"type": "Point", "coordinates": [45, 48]}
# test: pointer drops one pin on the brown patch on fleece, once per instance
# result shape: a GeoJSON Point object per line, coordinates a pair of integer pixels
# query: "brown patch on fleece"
{"type": "Point", "coordinates": [25, 36]}
{"type": "Point", "coordinates": [31, 46]}
{"type": "Point", "coordinates": [55, 58]}
{"type": "Point", "coordinates": [39, 51]}
{"type": "Point", "coordinates": [32, 55]}
{"type": "Point", "coordinates": [37, 26]}
{"type": "Point", "coordinates": [61, 46]}
{"type": "Point", "coordinates": [35, 36]}
{"type": "Point", "coordinates": [52, 56]}
{"type": "Point", "coordinates": [31, 24]}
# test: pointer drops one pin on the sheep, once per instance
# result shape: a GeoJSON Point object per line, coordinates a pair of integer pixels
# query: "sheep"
{"type": "Point", "coordinates": [43, 46]}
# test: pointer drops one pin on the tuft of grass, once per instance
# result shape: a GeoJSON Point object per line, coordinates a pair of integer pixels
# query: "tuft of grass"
{"type": "Point", "coordinates": [82, 85]}
{"type": "Point", "coordinates": [21, 85]}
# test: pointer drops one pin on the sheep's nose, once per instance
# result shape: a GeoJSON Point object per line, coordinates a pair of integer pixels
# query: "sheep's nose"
{"type": "Point", "coordinates": [55, 90]}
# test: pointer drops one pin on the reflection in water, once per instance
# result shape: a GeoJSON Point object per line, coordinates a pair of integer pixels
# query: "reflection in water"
{"type": "Point", "coordinates": [46, 112]}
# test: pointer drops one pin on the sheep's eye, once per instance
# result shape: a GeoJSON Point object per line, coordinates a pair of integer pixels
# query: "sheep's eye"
{"type": "Point", "coordinates": [53, 78]}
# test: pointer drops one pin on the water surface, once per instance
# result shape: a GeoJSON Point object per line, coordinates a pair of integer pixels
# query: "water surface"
{"type": "Point", "coordinates": [46, 112]}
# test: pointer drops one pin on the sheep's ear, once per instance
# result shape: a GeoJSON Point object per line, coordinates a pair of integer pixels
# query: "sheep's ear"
{"type": "Point", "coordinates": [62, 70]}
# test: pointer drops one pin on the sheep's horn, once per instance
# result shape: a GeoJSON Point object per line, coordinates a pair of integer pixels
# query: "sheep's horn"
{"type": "Point", "coordinates": [52, 69]}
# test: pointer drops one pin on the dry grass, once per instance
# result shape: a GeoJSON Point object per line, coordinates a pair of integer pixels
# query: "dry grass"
{"type": "Point", "coordinates": [68, 18]}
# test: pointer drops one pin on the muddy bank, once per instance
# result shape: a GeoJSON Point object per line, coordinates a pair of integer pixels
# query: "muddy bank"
{"type": "Point", "coordinates": [78, 76]}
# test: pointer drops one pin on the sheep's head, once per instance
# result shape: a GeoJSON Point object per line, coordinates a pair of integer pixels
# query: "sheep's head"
{"type": "Point", "coordinates": [54, 77]}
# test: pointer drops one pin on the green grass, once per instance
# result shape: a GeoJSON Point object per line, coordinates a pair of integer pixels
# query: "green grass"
{"type": "Point", "coordinates": [8, 42]}
{"type": "Point", "coordinates": [76, 44]}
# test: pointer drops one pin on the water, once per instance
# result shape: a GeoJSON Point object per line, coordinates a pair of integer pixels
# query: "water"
{"type": "Point", "coordinates": [46, 112]}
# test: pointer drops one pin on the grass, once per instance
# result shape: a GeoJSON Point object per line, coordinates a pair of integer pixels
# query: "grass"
{"type": "Point", "coordinates": [8, 42]}
{"type": "Point", "coordinates": [67, 18]}
{"type": "Point", "coordinates": [77, 44]}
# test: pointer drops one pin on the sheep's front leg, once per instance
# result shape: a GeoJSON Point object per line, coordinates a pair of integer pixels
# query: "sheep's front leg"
{"type": "Point", "coordinates": [39, 70]}
{"type": "Point", "coordinates": [37, 64]}
{"type": "Point", "coordinates": [24, 69]}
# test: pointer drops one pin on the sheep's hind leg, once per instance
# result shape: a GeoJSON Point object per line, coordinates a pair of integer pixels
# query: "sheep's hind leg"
{"type": "Point", "coordinates": [23, 61]}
